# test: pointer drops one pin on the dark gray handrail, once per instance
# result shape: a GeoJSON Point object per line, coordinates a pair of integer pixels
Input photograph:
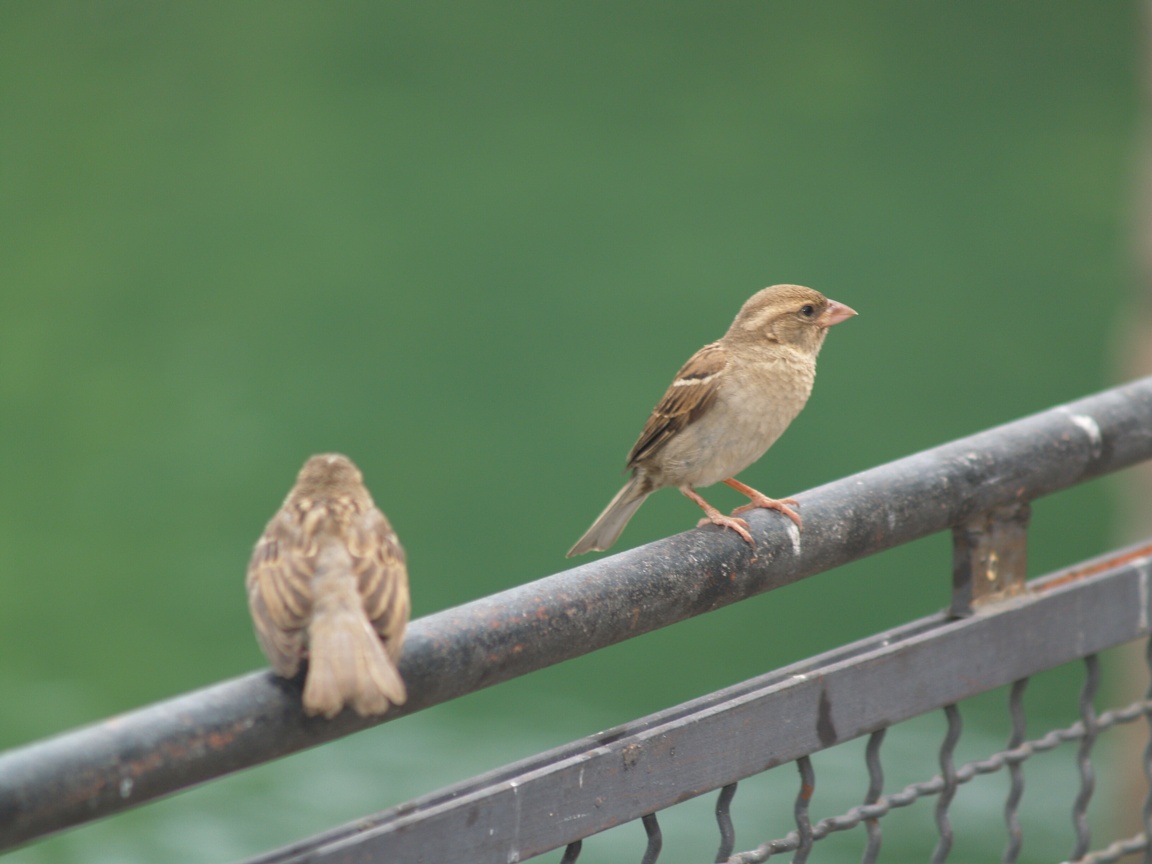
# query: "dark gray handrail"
{"type": "Point", "coordinates": [124, 761]}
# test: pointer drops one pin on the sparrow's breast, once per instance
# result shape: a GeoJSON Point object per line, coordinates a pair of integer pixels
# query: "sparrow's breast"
{"type": "Point", "coordinates": [751, 411]}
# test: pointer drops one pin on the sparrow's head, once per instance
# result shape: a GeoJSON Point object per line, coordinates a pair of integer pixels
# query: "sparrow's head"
{"type": "Point", "coordinates": [327, 475]}
{"type": "Point", "coordinates": [790, 315]}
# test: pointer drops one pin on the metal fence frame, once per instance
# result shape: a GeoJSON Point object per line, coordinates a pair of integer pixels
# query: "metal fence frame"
{"type": "Point", "coordinates": [979, 487]}
{"type": "Point", "coordinates": [633, 771]}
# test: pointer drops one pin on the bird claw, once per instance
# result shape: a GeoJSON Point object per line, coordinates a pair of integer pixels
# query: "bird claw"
{"type": "Point", "coordinates": [763, 502]}
{"type": "Point", "coordinates": [737, 525]}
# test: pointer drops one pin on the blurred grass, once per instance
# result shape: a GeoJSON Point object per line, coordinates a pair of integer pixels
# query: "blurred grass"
{"type": "Point", "coordinates": [469, 245]}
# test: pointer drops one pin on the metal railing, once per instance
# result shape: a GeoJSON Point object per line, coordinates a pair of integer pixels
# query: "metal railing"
{"type": "Point", "coordinates": [634, 771]}
{"type": "Point", "coordinates": [997, 632]}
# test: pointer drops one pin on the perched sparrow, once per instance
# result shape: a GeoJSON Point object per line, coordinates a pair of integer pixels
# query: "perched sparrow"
{"type": "Point", "coordinates": [327, 579]}
{"type": "Point", "coordinates": [728, 404]}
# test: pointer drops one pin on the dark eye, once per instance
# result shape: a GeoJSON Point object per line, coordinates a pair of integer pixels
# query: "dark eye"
{"type": "Point", "coordinates": [807, 310]}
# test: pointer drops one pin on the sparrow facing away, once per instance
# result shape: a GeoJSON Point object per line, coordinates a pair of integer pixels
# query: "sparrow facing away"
{"type": "Point", "coordinates": [727, 405]}
{"type": "Point", "coordinates": [328, 580]}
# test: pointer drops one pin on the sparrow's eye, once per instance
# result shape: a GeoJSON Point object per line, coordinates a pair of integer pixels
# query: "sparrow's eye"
{"type": "Point", "coordinates": [807, 310]}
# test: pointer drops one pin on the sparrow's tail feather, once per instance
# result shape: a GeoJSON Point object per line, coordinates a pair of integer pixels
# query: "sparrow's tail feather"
{"type": "Point", "coordinates": [347, 661]}
{"type": "Point", "coordinates": [608, 525]}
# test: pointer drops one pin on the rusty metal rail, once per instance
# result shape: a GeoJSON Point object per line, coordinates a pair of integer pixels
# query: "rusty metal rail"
{"type": "Point", "coordinates": [977, 486]}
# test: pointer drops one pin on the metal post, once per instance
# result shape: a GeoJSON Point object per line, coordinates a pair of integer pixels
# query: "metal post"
{"type": "Point", "coordinates": [989, 557]}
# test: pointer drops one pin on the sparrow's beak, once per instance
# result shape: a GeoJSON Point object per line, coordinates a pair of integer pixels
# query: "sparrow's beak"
{"type": "Point", "coordinates": [835, 313]}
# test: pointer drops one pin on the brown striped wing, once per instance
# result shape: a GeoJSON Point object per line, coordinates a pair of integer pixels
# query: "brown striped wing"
{"type": "Point", "coordinates": [379, 563]}
{"type": "Point", "coordinates": [280, 592]}
{"type": "Point", "coordinates": [691, 392]}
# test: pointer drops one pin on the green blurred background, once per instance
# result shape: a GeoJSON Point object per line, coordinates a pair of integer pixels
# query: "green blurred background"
{"type": "Point", "coordinates": [468, 245]}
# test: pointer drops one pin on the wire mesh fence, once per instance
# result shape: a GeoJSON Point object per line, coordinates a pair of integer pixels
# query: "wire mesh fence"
{"type": "Point", "coordinates": [944, 784]}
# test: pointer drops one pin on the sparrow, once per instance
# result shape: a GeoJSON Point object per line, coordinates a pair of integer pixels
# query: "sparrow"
{"type": "Point", "coordinates": [727, 405]}
{"type": "Point", "coordinates": [328, 580]}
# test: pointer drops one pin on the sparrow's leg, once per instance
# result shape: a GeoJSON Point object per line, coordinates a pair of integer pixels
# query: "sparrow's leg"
{"type": "Point", "coordinates": [715, 517]}
{"type": "Point", "coordinates": [760, 500]}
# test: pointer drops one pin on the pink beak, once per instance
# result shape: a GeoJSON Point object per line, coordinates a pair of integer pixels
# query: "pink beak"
{"type": "Point", "coordinates": [835, 313]}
